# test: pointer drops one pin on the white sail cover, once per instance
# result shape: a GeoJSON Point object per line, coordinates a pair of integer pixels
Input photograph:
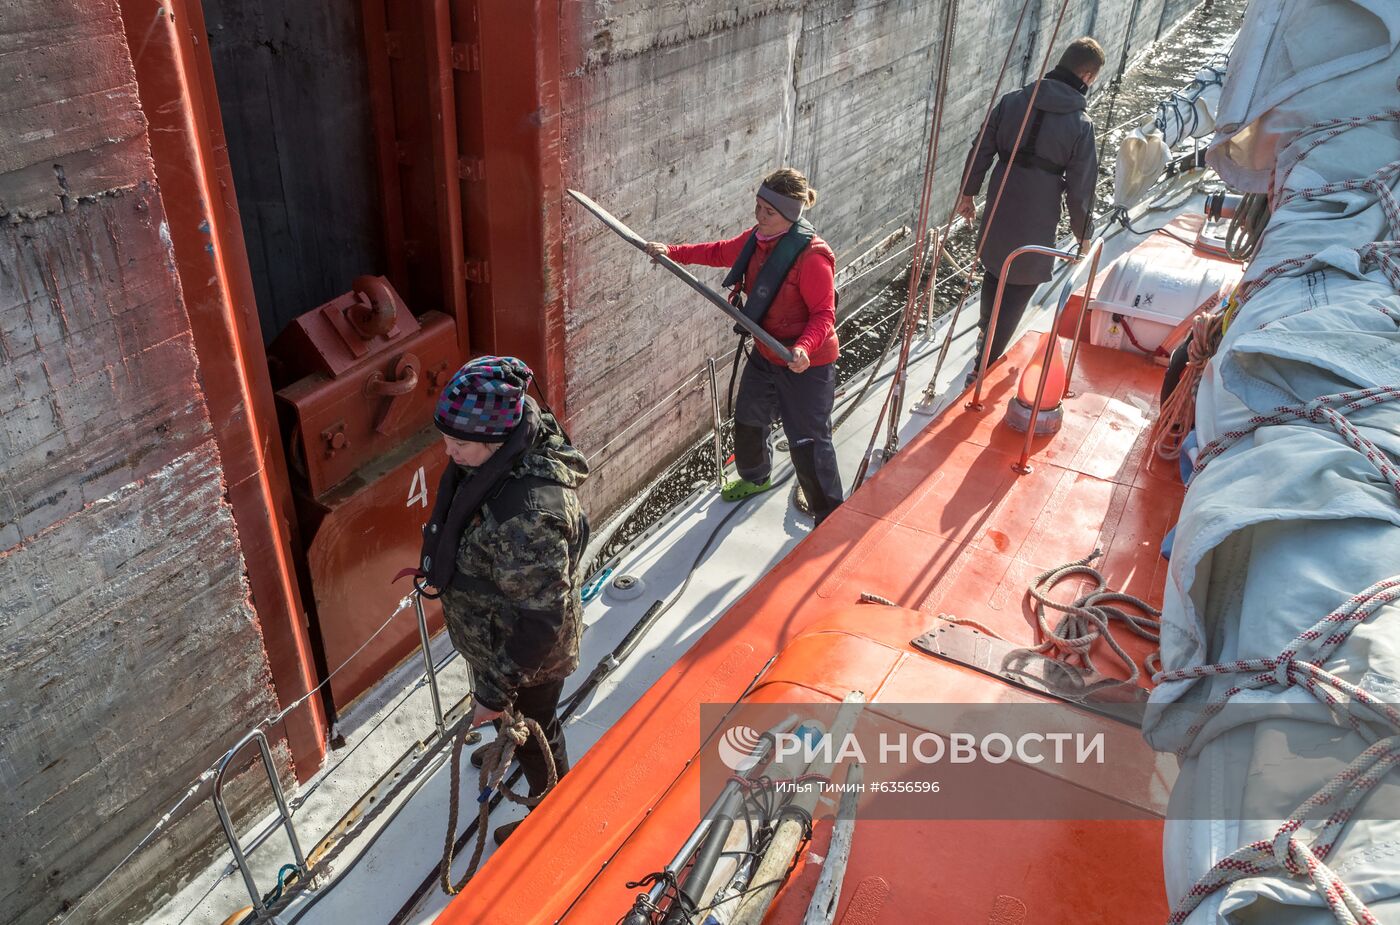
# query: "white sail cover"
{"type": "Point", "coordinates": [1292, 518]}
{"type": "Point", "coordinates": [1144, 152]}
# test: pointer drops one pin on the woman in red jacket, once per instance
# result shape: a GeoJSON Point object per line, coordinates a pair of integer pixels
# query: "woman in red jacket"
{"type": "Point", "coordinates": [788, 278]}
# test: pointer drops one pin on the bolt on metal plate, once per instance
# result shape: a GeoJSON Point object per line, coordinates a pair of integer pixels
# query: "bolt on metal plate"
{"type": "Point", "coordinates": [626, 588]}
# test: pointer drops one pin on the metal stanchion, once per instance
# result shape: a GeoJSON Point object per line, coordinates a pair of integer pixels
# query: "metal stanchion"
{"type": "Point", "coordinates": [284, 816]}
{"type": "Point", "coordinates": [1023, 465]}
{"type": "Point", "coordinates": [976, 403]}
{"type": "Point", "coordinates": [1097, 248]}
{"type": "Point", "coordinates": [428, 664]}
{"type": "Point", "coordinates": [718, 423]}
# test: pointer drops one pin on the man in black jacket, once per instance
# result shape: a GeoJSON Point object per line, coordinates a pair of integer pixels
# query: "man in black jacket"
{"type": "Point", "coordinates": [1056, 158]}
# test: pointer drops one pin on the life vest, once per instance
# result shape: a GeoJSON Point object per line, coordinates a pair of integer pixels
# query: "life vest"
{"type": "Point", "coordinates": [771, 275]}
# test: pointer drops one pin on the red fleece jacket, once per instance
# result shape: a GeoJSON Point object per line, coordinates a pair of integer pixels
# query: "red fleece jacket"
{"type": "Point", "coordinates": [803, 313]}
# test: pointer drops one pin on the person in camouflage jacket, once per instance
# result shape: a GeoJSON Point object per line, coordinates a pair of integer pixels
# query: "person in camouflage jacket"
{"type": "Point", "coordinates": [510, 578]}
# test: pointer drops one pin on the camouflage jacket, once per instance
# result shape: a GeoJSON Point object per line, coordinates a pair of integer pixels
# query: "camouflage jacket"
{"type": "Point", "coordinates": [513, 609]}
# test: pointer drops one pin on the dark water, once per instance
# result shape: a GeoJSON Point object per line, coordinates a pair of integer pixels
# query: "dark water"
{"type": "Point", "coordinates": [866, 332]}
{"type": "Point", "coordinates": [1166, 68]}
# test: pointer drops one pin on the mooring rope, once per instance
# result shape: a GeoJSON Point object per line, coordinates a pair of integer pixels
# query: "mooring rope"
{"type": "Point", "coordinates": [1088, 618]}
{"type": "Point", "coordinates": [516, 729]}
{"type": "Point", "coordinates": [1178, 413]}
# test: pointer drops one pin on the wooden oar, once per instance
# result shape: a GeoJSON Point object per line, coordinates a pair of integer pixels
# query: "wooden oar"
{"type": "Point", "coordinates": [631, 237]}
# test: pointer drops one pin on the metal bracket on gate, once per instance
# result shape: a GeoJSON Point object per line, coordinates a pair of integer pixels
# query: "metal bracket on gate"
{"type": "Point", "coordinates": [284, 818]}
{"type": "Point", "coordinates": [1029, 669]}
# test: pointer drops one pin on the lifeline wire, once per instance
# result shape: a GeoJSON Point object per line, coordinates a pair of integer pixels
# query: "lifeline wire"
{"type": "Point", "coordinates": [208, 774]}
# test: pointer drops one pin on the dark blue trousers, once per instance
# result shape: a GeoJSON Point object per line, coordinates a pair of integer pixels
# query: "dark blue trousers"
{"type": "Point", "coordinates": [802, 401]}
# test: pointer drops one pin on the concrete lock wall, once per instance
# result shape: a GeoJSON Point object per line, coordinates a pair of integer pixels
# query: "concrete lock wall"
{"type": "Point", "coordinates": [674, 110]}
{"type": "Point", "coordinates": [130, 649]}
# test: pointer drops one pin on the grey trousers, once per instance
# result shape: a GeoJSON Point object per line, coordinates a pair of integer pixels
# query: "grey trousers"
{"type": "Point", "coordinates": [802, 401]}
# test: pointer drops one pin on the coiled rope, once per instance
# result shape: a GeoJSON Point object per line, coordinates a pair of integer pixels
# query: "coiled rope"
{"type": "Point", "coordinates": [1089, 618]}
{"type": "Point", "coordinates": [1247, 226]}
{"type": "Point", "coordinates": [1178, 413]}
{"type": "Point", "coordinates": [515, 731]}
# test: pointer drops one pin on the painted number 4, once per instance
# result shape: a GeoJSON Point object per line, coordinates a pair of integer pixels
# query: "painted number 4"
{"type": "Point", "coordinates": [418, 490]}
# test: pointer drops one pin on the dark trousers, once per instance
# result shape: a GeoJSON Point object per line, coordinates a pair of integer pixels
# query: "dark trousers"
{"type": "Point", "coordinates": [541, 704]}
{"type": "Point", "coordinates": [802, 401]}
{"type": "Point", "coordinates": [1014, 300]}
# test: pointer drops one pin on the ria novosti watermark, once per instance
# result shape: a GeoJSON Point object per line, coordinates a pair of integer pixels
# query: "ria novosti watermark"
{"type": "Point", "coordinates": [934, 760]}
{"type": "Point", "coordinates": [737, 746]}
{"type": "Point", "coordinates": [1038, 761]}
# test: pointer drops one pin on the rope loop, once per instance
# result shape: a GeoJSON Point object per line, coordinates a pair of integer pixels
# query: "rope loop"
{"type": "Point", "coordinates": [515, 730]}
{"type": "Point", "coordinates": [1087, 619]}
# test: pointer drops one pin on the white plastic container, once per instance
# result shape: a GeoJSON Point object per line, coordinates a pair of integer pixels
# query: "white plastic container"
{"type": "Point", "coordinates": [1154, 297]}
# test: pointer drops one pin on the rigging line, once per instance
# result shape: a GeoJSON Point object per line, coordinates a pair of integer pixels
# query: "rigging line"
{"type": "Point", "coordinates": [925, 207]}
{"type": "Point", "coordinates": [646, 416]}
{"type": "Point", "coordinates": [891, 400]}
{"type": "Point", "coordinates": [952, 214]}
{"type": "Point", "coordinates": [990, 216]}
{"type": "Point", "coordinates": [931, 389]}
{"type": "Point", "coordinates": [312, 786]}
{"type": "Point", "coordinates": [950, 21]}
{"type": "Point", "coordinates": [160, 824]}
{"type": "Point", "coordinates": [208, 774]}
{"type": "Point", "coordinates": [273, 720]}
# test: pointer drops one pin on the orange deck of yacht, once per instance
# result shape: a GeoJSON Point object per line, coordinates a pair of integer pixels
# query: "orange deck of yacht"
{"type": "Point", "coordinates": [947, 526]}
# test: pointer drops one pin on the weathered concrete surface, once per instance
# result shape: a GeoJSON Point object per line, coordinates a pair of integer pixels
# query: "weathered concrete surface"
{"type": "Point", "coordinates": [130, 653]}
{"type": "Point", "coordinates": [674, 110]}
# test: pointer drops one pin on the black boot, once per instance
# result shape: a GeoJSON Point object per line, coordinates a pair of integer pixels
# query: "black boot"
{"type": "Point", "coordinates": [817, 475]}
{"type": "Point", "coordinates": [504, 831]}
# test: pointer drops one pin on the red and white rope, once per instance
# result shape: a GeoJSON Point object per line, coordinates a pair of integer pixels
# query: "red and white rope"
{"type": "Point", "coordinates": [1328, 409]}
{"type": "Point", "coordinates": [1345, 791]}
{"type": "Point", "coordinates": [1380, 254]}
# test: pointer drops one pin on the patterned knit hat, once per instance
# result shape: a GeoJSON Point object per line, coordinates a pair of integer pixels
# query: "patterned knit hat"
{"type": "Point", "coordinates": [485, 400]}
